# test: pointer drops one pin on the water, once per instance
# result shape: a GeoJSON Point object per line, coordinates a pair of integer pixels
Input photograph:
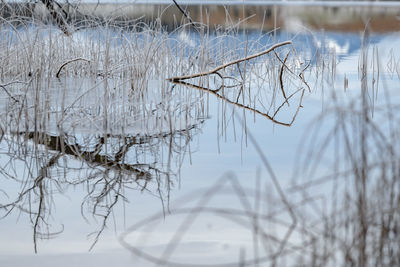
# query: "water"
{"type": "Point", "coordinates": [175, 173]}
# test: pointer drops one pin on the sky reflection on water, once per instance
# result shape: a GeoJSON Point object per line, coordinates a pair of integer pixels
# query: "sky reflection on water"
{"type": "Point", "coordinates": [217, 153]}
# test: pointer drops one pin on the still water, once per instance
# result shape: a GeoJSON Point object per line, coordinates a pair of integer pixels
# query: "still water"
{"type": "Point", "coordinates": [263, 163]}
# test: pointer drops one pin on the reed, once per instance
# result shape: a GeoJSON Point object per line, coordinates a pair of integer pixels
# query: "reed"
{"type": "Point", "coordinates": [87, 103]}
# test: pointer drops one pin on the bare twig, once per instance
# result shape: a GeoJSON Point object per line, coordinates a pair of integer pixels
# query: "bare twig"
{"type": "Point", "coordinates": [70, 61]}
{"type": "Point", "coordinates": [3, 86]}
{"type": "Point", "coordinates": [184, 13]}
{"type": "Point", "coordinates": [60, 20]}
{"type": "Point", "coordinates": [280, 77]}
{"type": "Point", "coordinates": [214, 71]}
{"type": "Point", "coordinates": [8, 93]}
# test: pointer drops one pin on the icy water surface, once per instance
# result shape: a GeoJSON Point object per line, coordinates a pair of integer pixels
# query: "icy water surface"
{"type": "Point", "coordinates": [290, 158]}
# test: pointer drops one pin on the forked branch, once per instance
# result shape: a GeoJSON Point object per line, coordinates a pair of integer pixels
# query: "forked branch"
{"type": "Point", "coordinates": [215, 71]}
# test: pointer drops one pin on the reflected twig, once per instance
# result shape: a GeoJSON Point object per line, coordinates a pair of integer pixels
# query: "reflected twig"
{"type": "Point", "coordinates": [235, 103]}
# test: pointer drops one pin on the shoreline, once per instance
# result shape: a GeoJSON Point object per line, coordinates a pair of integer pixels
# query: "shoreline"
{"type": "Point", "coordinates": [289, 16]}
